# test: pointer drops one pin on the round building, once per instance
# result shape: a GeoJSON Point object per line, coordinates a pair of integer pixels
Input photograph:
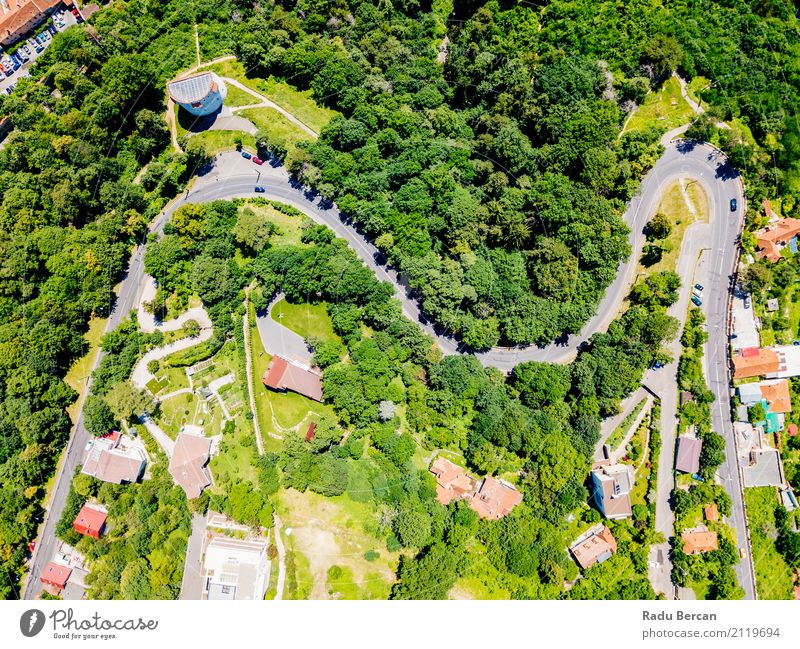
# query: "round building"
{"type": "Point", "coordinates": [199, 94]}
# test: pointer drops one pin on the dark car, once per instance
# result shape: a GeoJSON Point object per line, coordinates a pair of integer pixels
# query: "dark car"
{"type": "Point", "coordinates": [733, 205]}
{"type": "Point", "coordinates": [697, 301]}
{"type": "Point", "coordinates": [258, 160]}
{"type": "Point", "coordinates": [260, 189]}
{"type": "Point", "coordinates": [699, 287]}
{"type": "Point", "coordinates": [247, 155]}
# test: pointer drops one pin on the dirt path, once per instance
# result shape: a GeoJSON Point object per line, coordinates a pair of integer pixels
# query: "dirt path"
{"type": "Point", "coordinates": [268, 103]}
{"type": "Point", "coordinates": [281, 558]}
{"type": "Point", "coordinates": [248, 358]}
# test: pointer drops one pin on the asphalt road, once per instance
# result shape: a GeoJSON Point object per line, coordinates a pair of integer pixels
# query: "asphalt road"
{"type": "Point", "coordinates": [234, 177]}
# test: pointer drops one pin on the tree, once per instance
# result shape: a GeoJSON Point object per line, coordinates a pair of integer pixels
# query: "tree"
{"type": "Point", "coordinates": [191, 328]}
{"type": "Point", "coordinates": [659, 227]}
{"type": "Point", "coordinates": [253, 230]}
{"type": "Point", "coordinates": [664, 53]}
{"type": "Point", "coordinates": [386, 410]}
{"type": "Point", "coordinates": [98, 416]}
{"type": "Point", "coordinates": [126, 401]}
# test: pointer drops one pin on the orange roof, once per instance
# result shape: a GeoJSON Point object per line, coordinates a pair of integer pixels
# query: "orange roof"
{"type": "Point", "coordinates": [589, 551]}
{"type": "Point", "coordinates": [283, 375]}
{"type": "Point", "coordinates": [699, 542]}
{"type": "Point", "coordinates": [711, 512]}
{"type": "Point", "coordinates": [451, 481]}
{"type": "Point", "coordinates": [764, 361]}
{"type": "Point", "coordinates": [777, 394]}
{"type": "Point", "coordinates": [21, 17]}
{"type": "Point", "coordinates": [495, 499]}
{"type": "Point", "coordinates": [771, 238]}
{"type": "Point", "coordinates": [792, 430]}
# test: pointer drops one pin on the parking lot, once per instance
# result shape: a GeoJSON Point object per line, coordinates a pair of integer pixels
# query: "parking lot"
{"type": "Point", "coordinates": [66, 17]}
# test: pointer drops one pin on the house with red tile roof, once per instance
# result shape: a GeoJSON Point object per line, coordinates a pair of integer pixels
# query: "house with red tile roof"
{"type": "Point", "coordinates": [775, 237]}
{"type": "Point", "coordinates": [594, 546]}
{"type": "Point", "coordinates": [283, 375]}
{"type": "Point", "coordinates": [699, 541]}
{"type": "Point", "coordinates": [495, 498]}
{"type": "Point", "coordinates": [452, 481]}
{"type": "Point", "coordinates": [90, 521]}
{"type": "Point", "coordinates": [755, 361]}
{"type": "Point", "coordinates": [774, 391]}
{"type": "Point", "coordinates": [55, 577]}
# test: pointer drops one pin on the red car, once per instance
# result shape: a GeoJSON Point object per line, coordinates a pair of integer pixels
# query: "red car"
{"type": "Point", "coordinates": [258, 160]}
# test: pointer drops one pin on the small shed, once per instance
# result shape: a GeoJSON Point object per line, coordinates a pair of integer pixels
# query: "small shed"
{"type": "Point", "coordinates": [772, 305]}
{"type": "Point", "coordinates": [311, 428]}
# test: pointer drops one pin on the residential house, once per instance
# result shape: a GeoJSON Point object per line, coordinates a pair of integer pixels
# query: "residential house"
{"type": "Point", "coordinates": [114, 458]}
{"type": "Point", "coordinates": [235, 569]}
{"type": "Point", "coordinates": [594, 546]}
{"type": "Point", "coordinates": [699, 541]}
{"type": "Point", "coordinates": [90, 521]}
{"type": "Point", "coordinates": [189, 463]}
{"type": "Point", "coordinates": [283, 375]}
{"type": "Point", "coordinates": [452, 482]}
{"type": "Point", "coordinates": [774, 391]}
{"type": "Point", "coordinates": [55, 577]}
{"type": "Point", "coordinates": [755, 361]}
{"type": "Point", "coordinates": [764, 468]}
{"type": "Point", "coordinates": [772, 239]}
{"type": "Point", "coordinates": [788, 362]}
{"type": "Point", "coordinates": [495, 498]}
{"type": "Point", "coordinates": [687, 457]}
{"type": "Point", "coordinates": [611, 485]}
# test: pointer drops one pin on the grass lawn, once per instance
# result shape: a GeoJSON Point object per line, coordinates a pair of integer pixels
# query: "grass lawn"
{"type": "Point", "coordinates": [621, 431]}
{"type": "Point", "coordinates": [238, 97]}
{"type": "Point", "coordinates": [290, 226]}
{"type": "Point", "coordinates": [167, 380]}
{"type": "Point", "coordinates": [279, 413]}
{"type": "Point", "coordinates": [79, 373]}
{"type": "Point", "coordinates": [664, 108]}
{"type": "Point", "coordinates": [674, 204]}
{"type": "Point", "coordinates": [237, 453]}
{"type": "Point", "coordinates": [307, 320]}
{"type": "Point", "coordinates": [299, 103]}
{"type": "Point", "coordinates": [773, 574]}
{"type": "Point", "coordinates": [276, 125]}
{"type": "Point", "coordinates": [218, 141]}
{"type": "Point", "coordinates": [337, 531]}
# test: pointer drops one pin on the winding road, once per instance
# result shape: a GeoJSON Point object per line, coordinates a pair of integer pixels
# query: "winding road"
{"type": "Point", "coordinates": [231, 176]}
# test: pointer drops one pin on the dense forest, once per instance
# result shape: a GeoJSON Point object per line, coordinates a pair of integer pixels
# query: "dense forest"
{"type": "Point", "coordinates": [488, 167]}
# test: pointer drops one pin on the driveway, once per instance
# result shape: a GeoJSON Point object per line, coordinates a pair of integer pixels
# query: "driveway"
{"type": "Point", "coordinates": [192, 584]}
{"type": "Point", "coordinates": [280, 341]}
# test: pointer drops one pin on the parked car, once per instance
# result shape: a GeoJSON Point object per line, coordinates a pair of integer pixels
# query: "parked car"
{"type": "Point", "coordinates": [696, 301]}
{"type": "Point", "coordinates": [747, 302]}
{"type": "Point", "coordinates": [257, 160]}
{"type": "Point", "coordinates": [733, 205]}
{"type": "Point", "coordinates": [260, 189]}
{"type": "Point", "coordinates": [699, 287]}
{"type": "Point", "coordinates": [247, 155]}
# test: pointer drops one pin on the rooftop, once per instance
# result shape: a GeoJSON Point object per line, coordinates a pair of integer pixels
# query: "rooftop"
{"type": "Point", "coordinates": [773, 237]}
{"type": "Point", "coordinates": [698, 541]}
{"type": "Point", "coordinates": [235, 569]}
{"type": "Point", "coordinates": [193, 88]}
{"type": "Point", "coordinates": [188, 463]}
{"type": "Point", "coordinates": [114, 458]}
{"type": "Point", "coordinates": [284, 375]}
{"type": "Point", "coordinates": [611, 489]}
{"type": "Point", "coordinates": [495, 498]}
{"type": "Point", "coordinates": [755, 362]}
{"type": "Point", "coordinates": [90, 521]}
{"type": "Point", "coordinates": [56, 574]}
{"type": "Point", "coordinates": [687, 459]}
{"type": "Point", "coordinates": [16, 16]}
{"type": "Point", "coordinates": [597, 545]}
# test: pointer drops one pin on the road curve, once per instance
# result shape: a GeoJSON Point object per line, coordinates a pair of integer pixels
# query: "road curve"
{"type": "Point", "coordinates": [698, 162]}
